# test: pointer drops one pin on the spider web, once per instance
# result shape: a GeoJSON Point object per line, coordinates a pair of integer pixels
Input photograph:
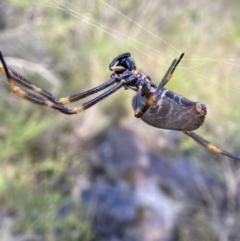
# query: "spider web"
{"type": "Point", "coordinates": [156, 32]}
{"type": "Point", "coordinates": [209, 70]}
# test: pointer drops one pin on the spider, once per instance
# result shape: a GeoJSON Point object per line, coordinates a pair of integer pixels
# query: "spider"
{"type": "Point", "coordinates": [155, 105]}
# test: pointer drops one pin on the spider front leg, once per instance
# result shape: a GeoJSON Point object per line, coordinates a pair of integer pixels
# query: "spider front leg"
{"type": "Point", "coordinates": [11, 76]}
{"type": "Point", "coordinates": [122, 79]}
{"type": "Point", "coordinates": [24, 82]}
{"type": "Point", "coordinates": [52, 101]}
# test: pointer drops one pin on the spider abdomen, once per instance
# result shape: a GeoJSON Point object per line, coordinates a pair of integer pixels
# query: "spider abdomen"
{"type": "Point", "coordinates": [174, 112]}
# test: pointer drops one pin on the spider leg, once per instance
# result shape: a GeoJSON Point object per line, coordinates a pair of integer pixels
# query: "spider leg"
{"type": "Point", "coordinates": [78, 96]}
{"type": "Point", "coordinates": [168, 74]}
{"type": "Point", "coordinates": [208, 145]}
{"type": "Point", "coordinates": [92, 102]}
{"type": "Point", "coordinates": [22, 81]}
{"type": "Point", "coordinates": [165, 79]}
{"type": "Point", "coordinates": [121, 80]}
{"type": "Point", "coordinates": [52, 102]}
{"type": "Point", "coordinates": [29, 96]}
{"type": "Point", "coordinates": [66, 100]}
{"type": "Point", "coordinates": [137, 106]}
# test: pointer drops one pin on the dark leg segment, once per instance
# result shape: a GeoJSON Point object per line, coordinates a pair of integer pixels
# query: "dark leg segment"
{"type": "Point", "coordinates": [168, 74]}
{"type": "Point", "coordinates": [92, 102]}
{"type": "Point", "coordinates": [52, 102]}
{"type": "Point", "coordinates": [36, 99]}
{"type": "Point", "coordinates": [66, 100]}
{"type": "Point", "coordinates": [76, 97]}
{"type": "Point", "coordinates": [178, 61]}
{"type": "Point", "coordinates": [208, 145]}
{"type": "Point", "coordinates": [159, 89]}
{"type": "Point", "coordinates": [22, 81]}
{"type": "Point", "coordinates": [138, 102]}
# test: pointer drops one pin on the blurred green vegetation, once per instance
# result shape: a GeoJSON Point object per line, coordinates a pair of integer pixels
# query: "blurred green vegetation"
{"type": "Point", "coordinates": [75, 41]}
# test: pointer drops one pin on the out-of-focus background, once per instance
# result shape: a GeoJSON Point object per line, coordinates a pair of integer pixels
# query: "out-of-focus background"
{"type": "Point", "coordinates": [103, 174]}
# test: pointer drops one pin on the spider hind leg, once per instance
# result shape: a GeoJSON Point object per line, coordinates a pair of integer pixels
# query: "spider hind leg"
{"type": "Point", "coordinates": [208, 145]}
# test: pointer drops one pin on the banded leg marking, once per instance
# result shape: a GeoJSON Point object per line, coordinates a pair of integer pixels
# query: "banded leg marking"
{"type": "Point", "coordinates": [209, 145]}
{"type": "Point", "coordinates": [52, 101]}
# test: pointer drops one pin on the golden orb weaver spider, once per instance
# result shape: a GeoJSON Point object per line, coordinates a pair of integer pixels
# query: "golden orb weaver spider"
{"type": "Point", "coordinates": [155, 105]}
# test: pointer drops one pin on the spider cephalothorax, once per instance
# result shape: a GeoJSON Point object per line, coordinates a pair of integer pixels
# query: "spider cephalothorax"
{"type": "Point", "coordinates": [125, 70]}
{"type": "Point", "coordinates": [155, 105]}
{"type": "Point", "coordinates": [122, 62]}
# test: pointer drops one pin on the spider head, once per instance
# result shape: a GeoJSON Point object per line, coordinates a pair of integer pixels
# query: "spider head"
{"type": "Point", "coordinates": [122, 62]}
